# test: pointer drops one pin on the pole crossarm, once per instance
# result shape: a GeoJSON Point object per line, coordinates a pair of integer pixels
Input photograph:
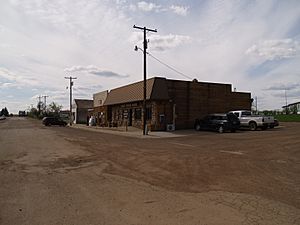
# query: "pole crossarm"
{"type": "Point", "coordinates": [145, 29]}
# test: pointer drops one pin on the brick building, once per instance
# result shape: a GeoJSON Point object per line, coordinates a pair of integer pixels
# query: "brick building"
{"type": "Point", "coordinates": [171, 104]}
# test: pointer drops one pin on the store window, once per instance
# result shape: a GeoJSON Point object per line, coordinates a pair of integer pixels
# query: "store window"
{"type": "Point", "coordinates": [137, 114]}
{"type": "Point", "coordinates": [148, 113]}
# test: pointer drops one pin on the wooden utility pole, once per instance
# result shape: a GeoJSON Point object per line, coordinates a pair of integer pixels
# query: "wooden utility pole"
{"type": "Point", "coordinates": [45, 101]}
{"type": "Point", "coordinates": [145, 75]}
{"type": "Point", "coordinates": [71, 84]}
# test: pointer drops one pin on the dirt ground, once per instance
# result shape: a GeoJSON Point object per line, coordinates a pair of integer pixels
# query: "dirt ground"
{"type": "Point", "coordinates": [63, 175]}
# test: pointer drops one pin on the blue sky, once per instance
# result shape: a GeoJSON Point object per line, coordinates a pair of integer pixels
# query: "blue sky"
{"type": "Point", "coordinates": [253, 45]}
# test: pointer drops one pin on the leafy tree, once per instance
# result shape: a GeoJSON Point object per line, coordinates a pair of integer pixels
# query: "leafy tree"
{"type": "Point", "coordinates": [33, 112]}
{"type": "Point", "coordinates": [4, 112]}
{"type": "Point", "coordinates": [53, 109]}
{"type": "Point", "coordinates": [295, 110]}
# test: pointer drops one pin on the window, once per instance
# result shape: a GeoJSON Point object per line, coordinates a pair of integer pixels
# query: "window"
{"type": "Point", "coordinates": [246, 113]}
{"type": "Point", "coordinates": [148, 113]}
{"type": "Point", "coordinates": [137, 114]}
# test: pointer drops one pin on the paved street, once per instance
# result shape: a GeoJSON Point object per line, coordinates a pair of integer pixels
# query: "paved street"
{"type": "Point", "coordinates": [75, 176]}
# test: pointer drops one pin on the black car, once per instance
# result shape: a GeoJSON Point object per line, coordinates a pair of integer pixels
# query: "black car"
{"type": "Point", "coordinates": [48, 121]}
{"type": "Point", "coordinates": [218, 122]}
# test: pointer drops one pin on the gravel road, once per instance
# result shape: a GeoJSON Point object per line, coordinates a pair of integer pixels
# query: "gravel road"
{"type": "Point", "coordinates": [66, 176]}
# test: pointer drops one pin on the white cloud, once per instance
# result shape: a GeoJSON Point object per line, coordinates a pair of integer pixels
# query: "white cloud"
{"type": "Point", "coordinates": [152, 7]}
{"type": "Point", "coordinates": [180, 10]}
{"type": "Point", "coordinates": [148, 6]}
{"type": "Point", "coordinates": [282, 87]}
{"type": "Point", "coordinates": [91, 69]}
{"type": "Point", "coordinates": [161, 42]}
{"type": "Point", "coordinates": [275, 49]}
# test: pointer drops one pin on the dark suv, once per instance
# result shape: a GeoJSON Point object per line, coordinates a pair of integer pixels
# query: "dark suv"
{"type": "Point", "coordinates": [218, 122]}
{"type": "Point", "coordinates": [48, 121]}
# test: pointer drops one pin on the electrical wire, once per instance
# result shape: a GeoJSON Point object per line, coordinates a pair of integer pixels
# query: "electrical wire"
{"type": "Point", "coordinates": [170, 67]}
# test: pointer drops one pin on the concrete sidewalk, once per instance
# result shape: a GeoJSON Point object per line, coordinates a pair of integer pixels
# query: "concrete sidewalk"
{"type": "Point", "coordinates": [133, 132]}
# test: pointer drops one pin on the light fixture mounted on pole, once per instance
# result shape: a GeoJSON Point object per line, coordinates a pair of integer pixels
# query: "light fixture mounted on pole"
{"type": "Point", "coordinates": [145, 73]}
{"type": "Point", "coordinates": [71, 84]}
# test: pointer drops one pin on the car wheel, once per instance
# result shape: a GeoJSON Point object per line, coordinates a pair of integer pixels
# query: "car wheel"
{"type": "Point", "coordinates": [252, 126]}
{"type": "Point", "coordinates": [220, 129]}
{"type": "Point", "coordinates": [271, 126]}
{"type": "Point", "coordinates": [197, 127]}
{"type": "Point", "coordinates": [49, 124]}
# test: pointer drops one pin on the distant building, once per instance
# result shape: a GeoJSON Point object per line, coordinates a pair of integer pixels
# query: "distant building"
{"type": "Point", "coordinates": [100, 111]}
{"type": "Point", "coordinates": [80, 110]}
{"type": "Point", "coordinates": [22, 113]}
{"type": "Point", "coordinates": [171, 104]}
{"type": "Point", "coordinates": [293, 108]}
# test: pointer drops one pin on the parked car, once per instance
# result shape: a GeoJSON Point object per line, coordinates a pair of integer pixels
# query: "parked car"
{"type": "Point", "coordinates": [254, 121]}
{"type": "Point", "coordinates": [2, 117]}
{"type": "Point", "coordinates": [276, 123]}
{"type": "Point", "coordinates": [48, 121]}
{"type": "Point", "coordinates": [218, 122]}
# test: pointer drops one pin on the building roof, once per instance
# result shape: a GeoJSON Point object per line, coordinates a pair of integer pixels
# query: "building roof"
{"type": "Point", "coordinates": [84, 103]}
{"type": "Point", "coordinates": [156, 90]}
{"type": "Point", "coordinates": [291, 104]}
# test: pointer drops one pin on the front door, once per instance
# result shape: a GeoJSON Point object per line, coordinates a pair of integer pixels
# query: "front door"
{"type": "Point", "coordinates": [130, 117]}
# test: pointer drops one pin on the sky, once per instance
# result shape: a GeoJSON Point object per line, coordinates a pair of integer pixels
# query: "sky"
{"type": "Point", "coordinates": [253, 45]}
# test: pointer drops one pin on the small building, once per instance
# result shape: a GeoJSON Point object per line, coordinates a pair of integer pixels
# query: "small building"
{"type": "Point", "coordinates": [171, 104]}
{"type": "Point", "coordinates": [80, 109]}
{"type": "Point", "coordinates": [100, 110]}
{"type": "Point", "coordinates": [293, 108]}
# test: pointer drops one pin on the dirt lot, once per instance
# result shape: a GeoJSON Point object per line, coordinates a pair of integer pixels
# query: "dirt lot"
{"type": "Point", "coordinates": [56, 175]}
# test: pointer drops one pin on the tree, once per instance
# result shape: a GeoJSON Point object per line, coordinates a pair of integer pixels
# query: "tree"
{"type": "Point", "coordinates": [54, 109]}
{"type": "Point", "coordinates": [4, 112]}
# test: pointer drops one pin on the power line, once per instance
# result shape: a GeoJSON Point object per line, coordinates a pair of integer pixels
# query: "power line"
{"type": "Point", "coordinates": [170, 67]}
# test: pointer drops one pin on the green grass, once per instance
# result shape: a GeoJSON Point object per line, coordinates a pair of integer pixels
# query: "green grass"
{"type": "Point", "coordinates": [288, 118]}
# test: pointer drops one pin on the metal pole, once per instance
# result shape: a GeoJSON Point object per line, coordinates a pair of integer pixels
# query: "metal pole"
{"type": "Point", "coordinates": [71, 115]}
{"type": "Point", "coordinates": [145, 85]}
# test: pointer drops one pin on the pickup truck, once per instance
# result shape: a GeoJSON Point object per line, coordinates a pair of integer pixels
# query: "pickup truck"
{"type": "Point", "coordinates": [254, 121]}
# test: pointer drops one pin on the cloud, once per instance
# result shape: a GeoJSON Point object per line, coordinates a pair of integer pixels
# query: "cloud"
{"type": "Point", "coordinates": [91, 69]}
{"type": "Point", "coordinates": [161, 42]}
{"type": "Point", "coordinates": [282, 87]}
{"type": "Point", "coordinates": [152, 7]}
{"type": "Point", "coordinates": [148, 6]}
{"type": "Point", "coordinates": [180, 10]}
{"type": "Point", "coordinates": [275, 49]}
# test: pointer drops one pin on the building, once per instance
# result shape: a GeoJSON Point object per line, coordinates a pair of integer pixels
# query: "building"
{"type": "Point", "coordinates": [80, 109]}
{"type": "Point", "coordinates": [100, 111]}
{"type": "Point", "coordinates": [293, 108]}
{"type": "Point", "coordinates": [171, 104]}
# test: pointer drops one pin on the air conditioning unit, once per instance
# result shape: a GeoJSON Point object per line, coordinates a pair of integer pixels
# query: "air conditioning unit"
{"type": "Point", "coordinates": [170, 127]}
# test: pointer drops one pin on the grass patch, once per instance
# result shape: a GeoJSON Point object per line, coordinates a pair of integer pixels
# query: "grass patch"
{"type": "Point", "coordinates": [288, 118]}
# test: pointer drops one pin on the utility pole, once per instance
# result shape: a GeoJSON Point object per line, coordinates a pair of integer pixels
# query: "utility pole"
{"type": "Point", "coordinates": [45, 101]}
{"type": "Point", "coordinates": [256, 105]}
{"type": "Point", "coordinates": [145, 74]}
{"type": "Point", "coordinates": [71, 84]}
{"type": "Point", "coordinates": [39, 104]}
{"type": "Point", "coordinates": [286, 105]}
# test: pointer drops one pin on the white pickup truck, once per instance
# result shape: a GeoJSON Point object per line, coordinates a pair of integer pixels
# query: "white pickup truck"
{"type": "Point", "coordinates": [254, 121]}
